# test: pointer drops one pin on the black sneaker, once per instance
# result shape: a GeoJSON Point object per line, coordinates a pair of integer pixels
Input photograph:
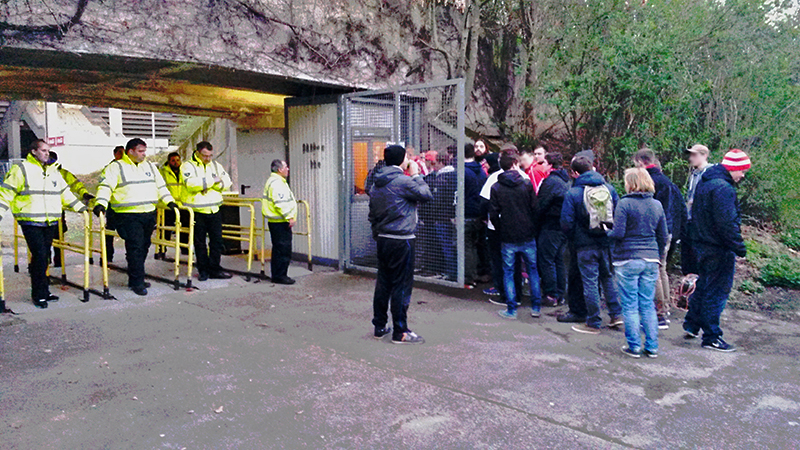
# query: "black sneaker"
{"type": "Point", "coordinates": [409, 337]}
{"type": "Point", "coordinates": [139, 290]}
{"type": "Point", "coordinates": [202, 276]}
{"type": "Point", "coordinates": [550, 301]}
{"type": "Point", "coordinates": [690, 334]}
{"type": "Point", "coordinates": [381, 332]}
{"type": "Point", "coordinates": [220, 276]}
{"type": "Point", "coordinates": [52, 298]}
{"type": "Point", "coordinates": [570, 318]}
{"type": "Point", "coordinates": [41, 303]}
{"type": "Point", "coordinates": [650, 354]}
{"type": "Point", "coordinates": [628, 352]}
{"type": "Point", "coordinates": [720, 346]}
{"type": "Point", "coordinates": [284, 280]}
{"type": "Point", "coordinates": [663, 323]}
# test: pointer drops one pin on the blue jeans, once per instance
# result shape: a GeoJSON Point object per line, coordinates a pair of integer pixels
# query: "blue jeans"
{"type": "Point", "coordinates": [636, 280]}
{"type": "Point", "coordinates": [596, 270]}
{"type": "Point", "coordinates": [716, 267]}
{"type": "Point", "coordinates": [446, 235]}
{"type": "Point", "coordinates": [528, 252]}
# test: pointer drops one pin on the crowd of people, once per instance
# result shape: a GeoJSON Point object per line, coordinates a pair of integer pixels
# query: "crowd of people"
{"type": "Point", "coordinates": [38, 190]}
{"type": "Point", "coordinates": [560, 233]}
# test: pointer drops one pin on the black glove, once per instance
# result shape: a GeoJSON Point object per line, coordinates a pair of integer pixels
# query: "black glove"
{"type": "Point", "coordinates": [99, 209]}
{"type": "Point", "coordinates": [87, 197]}
{"type": "Point", "coordinates": [172, 205]}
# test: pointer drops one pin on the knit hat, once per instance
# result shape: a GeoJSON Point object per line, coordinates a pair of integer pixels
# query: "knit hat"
{"type": "Point", "coordinates": [736, 160]}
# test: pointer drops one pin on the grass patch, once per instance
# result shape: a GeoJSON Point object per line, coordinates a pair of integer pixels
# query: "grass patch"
{"type": "Point", "coordinates": [781, 271]}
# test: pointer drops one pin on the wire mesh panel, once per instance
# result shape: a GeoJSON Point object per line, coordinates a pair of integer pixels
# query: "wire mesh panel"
{"type": "Point", "coordinates": [429, 121]}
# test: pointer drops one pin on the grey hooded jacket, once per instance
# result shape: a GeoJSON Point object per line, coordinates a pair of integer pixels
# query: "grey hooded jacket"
{"type": "Point", "coordinates": [393, 203]}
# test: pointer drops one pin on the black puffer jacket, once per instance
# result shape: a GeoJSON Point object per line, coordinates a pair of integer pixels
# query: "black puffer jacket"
{"type": "Point", "coordinates": [512, 208]}
{"type": "Point", "coordinates": [393, 202]}
{"type": "Point", "coordinates": [715, 212]}
{"type": "Point", "coordinates": [551, 198]}
{"type": "Point", "coordinates": [671, 200]}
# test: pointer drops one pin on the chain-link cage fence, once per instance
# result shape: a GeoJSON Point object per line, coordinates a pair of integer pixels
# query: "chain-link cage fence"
{"type": "Point", "coordinates": [429, 121]}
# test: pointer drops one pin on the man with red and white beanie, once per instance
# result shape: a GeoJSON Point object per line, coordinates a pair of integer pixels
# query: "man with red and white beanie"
{"type": "Point", "coordinates": [716, 234]}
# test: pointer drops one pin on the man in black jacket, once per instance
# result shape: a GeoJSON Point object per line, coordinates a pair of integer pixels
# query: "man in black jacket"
{"type": "Point", "coordinates": [512, 210]}
{"type": "Point", "coordinates": [717, 236]}
{"type": "Point", "coordinates": [393, 216]}
{"type": "Point", "coordinates": [552, 241]}
{"type": "Point", "coordinates": [671, 199]}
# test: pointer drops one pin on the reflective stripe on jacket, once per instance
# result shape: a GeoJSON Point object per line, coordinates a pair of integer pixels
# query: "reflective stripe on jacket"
{"type": "Point", "coordinates": [75, 185]}
{"type": "Point", "coordinates": [36, 193]}
{"type": "Point", "coordinates": [174, 182]}
{"type": "Point", "coordinates": [132, 188]}
{"type": "Point", "coordinates": [201, 193]}
{"type": "Point", "coordinates": [279, 204]}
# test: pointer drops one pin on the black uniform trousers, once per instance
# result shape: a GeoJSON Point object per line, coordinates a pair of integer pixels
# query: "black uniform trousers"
{"type": "Point", "coordinates": [208, 225]}
{"type": "Point", "coordinates": [281, 235]}
{"type": "Point", "coordinates": [137, 230]}
{"type": "Point", "coordinates": [40, 243]}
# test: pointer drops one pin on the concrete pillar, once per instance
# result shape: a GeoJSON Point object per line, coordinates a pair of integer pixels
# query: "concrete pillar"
{"type": "Point", "coordinates": [52, 124]}
{"type": "Point", "coordinates": [14, 141]}
{"type": "Point", "coordinates": [233, 151]}
{"type": "Point", "coordinates": [115, 121]}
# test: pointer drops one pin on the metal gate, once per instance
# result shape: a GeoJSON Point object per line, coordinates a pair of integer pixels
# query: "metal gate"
{"type": "Point", "coordinates": [429, 121]}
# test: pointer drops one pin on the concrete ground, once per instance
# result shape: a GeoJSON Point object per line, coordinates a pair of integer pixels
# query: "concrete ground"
{"type": "Point", "coordinates": [250, 365]}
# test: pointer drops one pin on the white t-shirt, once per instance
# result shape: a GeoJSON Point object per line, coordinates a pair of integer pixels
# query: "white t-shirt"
{"type": "Point", "coordinates": [486, 190]}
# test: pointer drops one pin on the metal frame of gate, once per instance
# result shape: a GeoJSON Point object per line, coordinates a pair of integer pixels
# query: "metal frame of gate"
{"type": "Point", "coordinates": [402, 128]}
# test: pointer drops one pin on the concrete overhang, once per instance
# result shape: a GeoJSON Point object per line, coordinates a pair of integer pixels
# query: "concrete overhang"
{"type": "Point", "coordinates": [252, 99]}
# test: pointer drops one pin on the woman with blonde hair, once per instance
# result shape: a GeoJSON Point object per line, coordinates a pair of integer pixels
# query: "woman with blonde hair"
{"type": "Point", "coordinates": [640, 239]}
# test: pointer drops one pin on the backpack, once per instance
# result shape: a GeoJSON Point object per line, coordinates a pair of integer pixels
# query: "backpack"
{"type": "Point", "coordinates": [600, 206]}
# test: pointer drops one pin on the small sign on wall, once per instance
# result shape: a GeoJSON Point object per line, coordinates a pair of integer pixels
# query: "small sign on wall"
{"type": "Point", "coordinates": [56, 141]}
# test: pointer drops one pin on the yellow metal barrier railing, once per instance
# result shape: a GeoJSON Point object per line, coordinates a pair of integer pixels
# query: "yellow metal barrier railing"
{"type": "Point", "coordinates": [159, 242]}
{"type": "Point", "coordinates": [61, 245]}
{"type": "Point", "coordinates": [264, 229]}
{"type": "Point", "coordinates": [3, 309]}
{"type": "Point", "coordinates": [177, 230]}
{"type": "Point", "coordinates": [242, 233]}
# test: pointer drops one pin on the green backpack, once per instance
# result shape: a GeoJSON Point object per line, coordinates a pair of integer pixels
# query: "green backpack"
{"type": "Point", "coordinates": [600, 206]}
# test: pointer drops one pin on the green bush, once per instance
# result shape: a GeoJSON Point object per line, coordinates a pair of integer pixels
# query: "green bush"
{"type": "Point", "coordinates": [757, 250]}
{"type": "Point", "coordinates": [781, 271]}
{"type": "Point", "coordinates": [751, 287]}
{"type": "Point", "coordinates": [791, 239]}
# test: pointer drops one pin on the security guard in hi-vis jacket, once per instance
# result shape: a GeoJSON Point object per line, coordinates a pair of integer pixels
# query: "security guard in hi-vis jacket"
{"type": "Point", "coordinates": [204, 180]}
{"type": "Point", "coordinates": [132, 187]}
{"type": "Point", "coordinates": [36, 193]}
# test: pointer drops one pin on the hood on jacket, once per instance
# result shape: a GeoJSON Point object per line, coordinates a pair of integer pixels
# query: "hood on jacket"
{"type": "Point", "coordinates": [510, 178]}
{"type": "Point", "coordinates": [718, 172]}
{"type": "Point", "coordinates": [639, 195]}
{"type": "Point", "coordinates": [590, 178]}
{"type": "Point", "coordinates": [386, 174]}
{"type": "Point", "coordinates": [474, 166]}
{"type": "Point", "coordinates": [561, 173]}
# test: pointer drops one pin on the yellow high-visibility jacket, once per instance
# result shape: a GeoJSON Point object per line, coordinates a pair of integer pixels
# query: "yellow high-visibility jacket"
{"type": "Point", "coordinates": [200, 192]}
{"type": "Point", "coordinates": [75, 185]}
{"type": "Point", "coordinates": [36, 194]}
{"type": "Point", "coordinates": [174, 182]}
{"type": "Point", "coordinates": [279, 204]}
{"type": "Point", "coordinates": [128, 187]}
